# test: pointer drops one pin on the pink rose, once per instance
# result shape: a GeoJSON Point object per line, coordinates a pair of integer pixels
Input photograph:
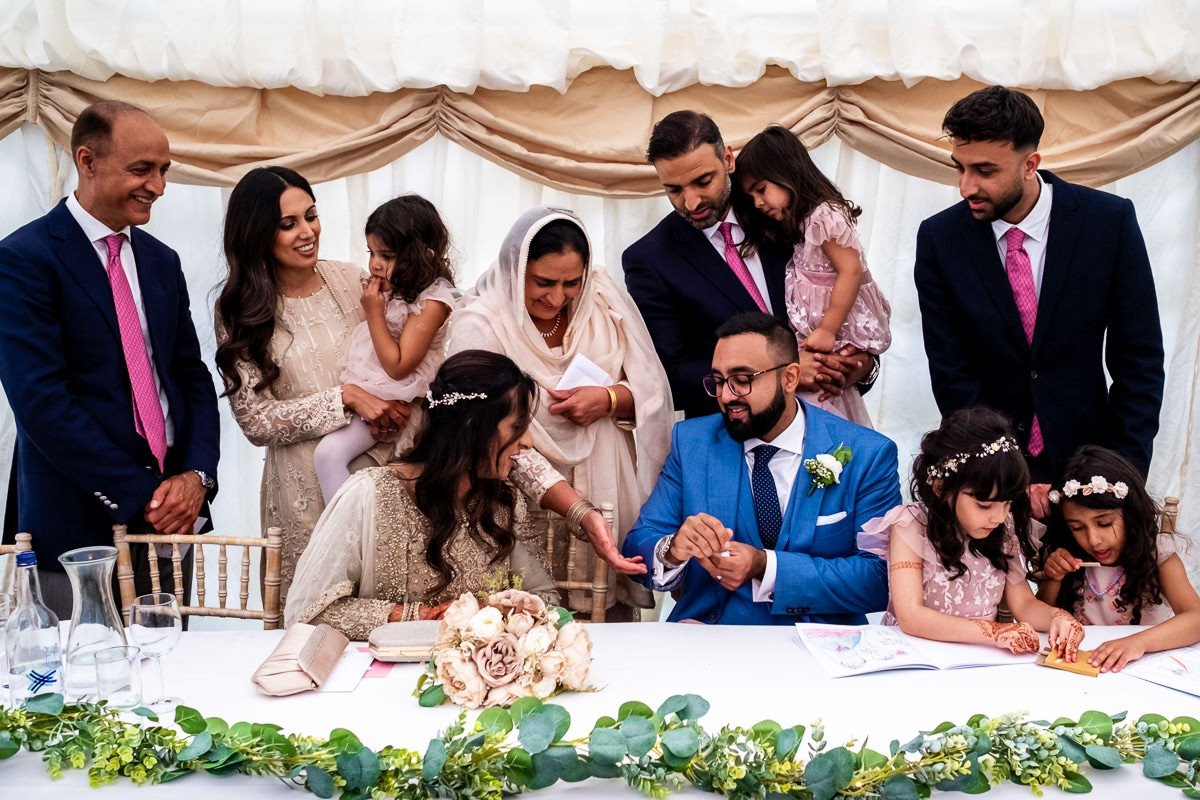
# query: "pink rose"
{"type": "Point", "coordinates": [498, 661]}
{"type": "Point", "coordinates": [519, 623]}
{"type": "Point", "coordinates": [506, 695]}
{"type": "Point", "coordinates": [516, 600]}
{"type": "Point", "coordinates": [576, 648]}
{"type": "Point", "coordinates": [459, 613]}
{"type": "Point", "coordinates": [460, 680]}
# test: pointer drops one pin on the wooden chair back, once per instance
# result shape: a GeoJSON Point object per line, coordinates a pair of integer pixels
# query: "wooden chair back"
{"type": "Point", "coordinates": [23, 543]}
{"type": "Point", "coordinates": [271, 545]}
{"type": "Point", "coordinates": [1170, 513]}
{"type": "Point", "coordinates": [578, 552]}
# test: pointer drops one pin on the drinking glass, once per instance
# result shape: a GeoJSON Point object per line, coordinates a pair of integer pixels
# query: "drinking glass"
{"type": "Point", "coordinates": [118, 676]}
{"type": "Point", "coordinates": [6, 607]}
{"type": "Point", "coordinates": [154, 626]}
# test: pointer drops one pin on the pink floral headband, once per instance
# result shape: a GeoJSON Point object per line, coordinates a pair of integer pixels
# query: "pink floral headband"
{"type": "Point", "coordinates": [946, 468]}
{"type": "Point", "coordinates": [1097, 485]}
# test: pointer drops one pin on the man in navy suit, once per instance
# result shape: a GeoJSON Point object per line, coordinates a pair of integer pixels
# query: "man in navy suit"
{"type": "Point", "coordinates": [116, 412]}
{"type": "Point", "coordinates": [679, 273]}
{"type": "Point", "coordinates": [1029, 287]}
{"type": "Point", "coordinates": [737, 528]}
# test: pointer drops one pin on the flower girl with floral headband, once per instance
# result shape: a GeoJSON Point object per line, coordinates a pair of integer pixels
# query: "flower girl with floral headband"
{"type": "Point", "coordinates": [962, 547]}
{"type": "Point", "coordinates": [1107, 563]}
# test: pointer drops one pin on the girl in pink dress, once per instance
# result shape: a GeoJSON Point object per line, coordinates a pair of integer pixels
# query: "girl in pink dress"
{"type": "Point", "coordinates": [395, 353]}
{"type": "Point", "coordinates": [832, 301]}
{"type": "Point", "coordinates": [962, 546]}
{"type": "Point", "coordinates": [1108, 564]}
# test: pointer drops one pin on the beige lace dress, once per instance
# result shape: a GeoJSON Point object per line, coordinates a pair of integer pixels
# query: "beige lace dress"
{"type": "Point", "coordinates": [367, 554]}
{"type": "Point", "coordinates": [303, 404]}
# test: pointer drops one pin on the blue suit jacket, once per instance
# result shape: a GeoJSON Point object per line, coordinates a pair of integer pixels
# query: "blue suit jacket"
{"type": "Point", "coordinates": [685, 291]}
{"type": "Point", "coordinates": [1097, 281]}
{"type": "Point", "coordinates": [63, 369]}
{"type": "Point", "coordinates": [821, 575]}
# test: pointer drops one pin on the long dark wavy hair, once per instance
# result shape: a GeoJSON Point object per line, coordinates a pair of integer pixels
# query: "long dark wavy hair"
{"type": "Point", "coordinates": [1139, 513]}
{"type": "Point", "coordinates": [462, 438]}
{"type": "Point", "coordinates": [998, 477]}
{"type": "Point", "coordinates": [776, 155]}
{"type": "Point", "coordinates": [248, 300]}
{"type": "Point", "coordinates": [412, 229]}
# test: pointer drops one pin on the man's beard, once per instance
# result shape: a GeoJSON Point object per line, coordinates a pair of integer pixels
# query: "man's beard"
{"type": "Point", "coordinates": [755, 425]}
{"type": "Point", "coordinates": [719, 210]}
{"type": "Point", "coordinates": [1003, 204]}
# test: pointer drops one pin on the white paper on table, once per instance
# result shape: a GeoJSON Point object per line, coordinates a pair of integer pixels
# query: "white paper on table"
{"type": "Point", "coordinates": [1177, 669]}
{"type": "Point", "coordinates": [348, 671]}
{"type": "Point", "coordinates": [582, 371]}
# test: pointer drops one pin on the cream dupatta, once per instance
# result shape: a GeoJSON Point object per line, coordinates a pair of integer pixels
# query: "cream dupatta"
{"type": "Point", "coordinates": [610, 463]}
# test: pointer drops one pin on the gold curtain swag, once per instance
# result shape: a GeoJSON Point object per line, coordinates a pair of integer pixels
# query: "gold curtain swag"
{"type": "Point", "coordinates": [591, 139]}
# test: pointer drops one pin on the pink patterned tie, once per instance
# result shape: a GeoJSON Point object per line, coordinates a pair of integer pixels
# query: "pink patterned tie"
{"type": "Point", "coordinates": [734, 258]}
{"type": "Point", "coordinates": [1020, 277]}
{"type": "Point", "coordinates": [147, 410]}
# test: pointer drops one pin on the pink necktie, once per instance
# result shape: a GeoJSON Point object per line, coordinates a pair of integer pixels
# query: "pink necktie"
{"type": "Point", "coordinates": [1020, 277]}
{"type": "Point", "coordinates": [147, 411]}
{"type": "Point", "coordinates": [734, 258]}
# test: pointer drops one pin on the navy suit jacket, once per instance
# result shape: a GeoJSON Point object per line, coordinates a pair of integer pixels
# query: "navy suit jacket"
{"type": "Point", "coordinates": [821, 575]}
{"type": "Point", "coordinates": [685, 291]}
{"type": "Point", "coordinates": [1097, 283]}
{"type": "Point", "coordinates": [63, 369]}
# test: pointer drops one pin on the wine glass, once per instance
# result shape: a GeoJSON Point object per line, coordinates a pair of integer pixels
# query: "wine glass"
{"type": "Point", "coordinates": [154, 626]}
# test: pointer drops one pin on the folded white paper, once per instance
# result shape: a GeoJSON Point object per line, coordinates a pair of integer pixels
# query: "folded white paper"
{"type": "Point", "coordinates": [582, 371]}
{"type": "Point", "coordinates": [348, 671]}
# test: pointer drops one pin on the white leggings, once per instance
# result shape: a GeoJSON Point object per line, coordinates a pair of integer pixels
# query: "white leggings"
{"type": "Point", "coordinates": [336, 450]}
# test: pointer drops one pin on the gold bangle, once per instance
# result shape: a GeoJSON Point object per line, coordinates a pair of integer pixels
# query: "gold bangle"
{"type": "Point", "coordinates": [612, 400]}
{"type": "Point", "coordinates": [575, 514]}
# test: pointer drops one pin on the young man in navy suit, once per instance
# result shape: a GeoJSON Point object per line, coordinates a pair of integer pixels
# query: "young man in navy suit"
{"type": "Point", "coordinates": [1029, 288]}
{"type": "Point", "coordinates": [680, 275]}
{"type": "Point", "coordinates": [116, 412]}
{"type": "Point", "coordinates": [737, 529]}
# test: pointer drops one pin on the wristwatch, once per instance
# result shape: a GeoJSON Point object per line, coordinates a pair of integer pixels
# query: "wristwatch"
{"type": "Point", "coordinates": [207, 481]}
{"type": "Point", "coordinates": [662, 548]}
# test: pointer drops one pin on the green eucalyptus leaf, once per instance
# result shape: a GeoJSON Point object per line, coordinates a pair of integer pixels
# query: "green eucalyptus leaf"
{"type": "Point", "coordinates": [536, 732]}
{"type": "Point", "coordinates": [1066, 722]}
{"type": "Point", "coordinates": [681, 742]}
{"type": "Point", "coordinates": [199, 745]}
{"type": "Point", "coordinates": [148, 713]}
{"type": "Point", "coordinates": [1097, 723]}
{"type": "Point", "coordinates": [435, 759]}
{"type": "Point", "coordinates": [518, 765]}
{"type": "Point", "coordinates": [218, 755]}
{"type": "Point", "coordinates": [50, 703]}
{"type": "Point", "coordinates": [1072, 749]}
{"type": "Point", "coordinates": [1194, 794]}
{"type": "Point", "coordinates": [634, 709]}
{"type": "Point", "coordinates": [976, 720]}
{"type": "Point", "coordinates": [1102, 757]}
{"type": "Point", "coordinates": [870, 759]}
{"type": "Point", "coordinates": [983, 745]}
{"type": "Point", "coordinates": [898, 787]}
{"type": "Point", "coordinates": [829, 772]}
{"type": "Point", "coordinates": [766, 726]}
{"type": "Point", "coordinates": [674, 762]}
{"type": "Point", "coordinates": [173, 774]}
{"type": "Point", "coordinates": [606, 746]}
{"type": "Point", "coordinates": [1192, 723]}
{"type": "Point", "coordinates": [787, 740]}
{"type": "Point", "coordinates": [560, 762]}
{"type": "Point", "coordinates": [318, 781]}
{"type": "Point", "coordinates": [519, 709]}
{"type": "Point", "coordinates": [598, 770]}
{"type": "Point", "coordinates": [1188, 746]}
{"type": "Point", "coordinates": [1159, 762]}
{"type": "Point", "coordinates": [1119, 716]}
{"type": "Point", "coordinates": [894, 747]}
{"type": "Point", "coordinates": [1152, 719]}
{"type": "Point", "coordinates": [240, 732]}
{"type": "Point", "coordinates": [215, 725]}
{"type": "Point", "coordinates": [360, 770]}
{"type": "Point", "coordinates": [189, 720]}
{"type": "Point", "coordinates": [495, 719]}
{"type": "Point", "coordinates": [945, 726]}
{"type": "Point", "coordinates": [342, 741]}
{"type": "Point", "coordinates": [914, 744]}
{"type": "Point", "coordinates": [640, 735]}
{"type": "Point", "coordinates": [671, 705]}
{"type": "Point", "coordinates": [695, 708]}
{"type": "Point", "coordinates": [8, 745]}
{"type": "Point", "coordinates": [1078, 784]}
{"type": "Point", "coordinates": [606, 722]}
{"type": "Point", "coordinates": [432, 697]}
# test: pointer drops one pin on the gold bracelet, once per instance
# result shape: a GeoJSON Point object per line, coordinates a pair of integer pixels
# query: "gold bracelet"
{"type": "Point", "coordinates": [612, 400]}
{"type": "Point", "coordinates": [575, 514]}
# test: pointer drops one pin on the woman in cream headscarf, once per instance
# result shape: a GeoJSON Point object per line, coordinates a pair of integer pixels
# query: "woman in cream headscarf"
{"type": "Point", "coordinates": [544, 306]}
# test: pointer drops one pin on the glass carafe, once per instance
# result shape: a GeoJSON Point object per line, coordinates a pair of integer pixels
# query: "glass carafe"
{"type": "Point", "coordinates": [95, 622]}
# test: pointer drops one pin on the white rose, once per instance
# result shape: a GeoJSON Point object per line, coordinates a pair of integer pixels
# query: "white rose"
{"type": "Point", "coordinates": [1071, 488]}
{"type": "Point", "coordinates": [519, 623]}
{"type": "Point", "coordinates": [459, 613]}
{"type": "Point", "coordinates": [576, 648]}
{"type": "Point", "coordinates": [486, 623]}
{"type": "Point", "coordinates": [538, 640]}
{"type": "Point", "coordinates": [1099, 484]}
{"type": "Point", "coordinates": [1120, 490]}
{"type": "Point", "coordinates": [830, 463]}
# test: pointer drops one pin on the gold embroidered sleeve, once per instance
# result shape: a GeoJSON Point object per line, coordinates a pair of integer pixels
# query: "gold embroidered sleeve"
{"type": "Point", "coordinates": [355, 617]}
{"type": "Point", "coordinates": [533, 475]}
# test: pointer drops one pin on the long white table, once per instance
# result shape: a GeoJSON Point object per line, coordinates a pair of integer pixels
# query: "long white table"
{"type": "Point", "coordinates": [747, 674]}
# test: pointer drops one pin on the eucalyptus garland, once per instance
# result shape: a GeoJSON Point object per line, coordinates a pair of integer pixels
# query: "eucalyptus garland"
{"type": "Point", "coordinates": [523, 748]}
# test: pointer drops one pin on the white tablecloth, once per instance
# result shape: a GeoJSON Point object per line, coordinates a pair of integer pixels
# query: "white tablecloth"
{"type": "Point", "coordinates": [747, 674]}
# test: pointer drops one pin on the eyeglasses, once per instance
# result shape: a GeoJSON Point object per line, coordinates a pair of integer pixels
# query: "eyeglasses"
{"type": "Point", "coordinates": [739, 383]}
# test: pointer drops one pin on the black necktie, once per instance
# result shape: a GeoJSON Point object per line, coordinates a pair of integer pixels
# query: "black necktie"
{"type": "Point", "coordinates": [766, 497]}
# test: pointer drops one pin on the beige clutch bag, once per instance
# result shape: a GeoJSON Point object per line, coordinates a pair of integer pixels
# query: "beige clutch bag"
{"type": "Point", "coordinates": [403, 641]}
{"type": "Point", "coordinates": [301, 661]}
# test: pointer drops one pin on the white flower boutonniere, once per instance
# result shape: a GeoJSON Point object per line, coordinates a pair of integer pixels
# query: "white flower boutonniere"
{"type": "Point", "coordinates": [826, 468]}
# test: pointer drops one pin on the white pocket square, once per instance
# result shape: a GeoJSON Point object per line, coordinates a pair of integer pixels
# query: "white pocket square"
{"type": "Point", "coordinates": [829, 519]}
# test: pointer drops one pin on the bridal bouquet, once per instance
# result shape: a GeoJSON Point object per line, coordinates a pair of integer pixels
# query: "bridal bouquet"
{"type": "Point", "coordinates": [512, 646]}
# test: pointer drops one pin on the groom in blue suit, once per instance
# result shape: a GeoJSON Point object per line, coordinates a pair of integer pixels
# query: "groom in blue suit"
{"type": "Point", "coordinates": [737, 528]}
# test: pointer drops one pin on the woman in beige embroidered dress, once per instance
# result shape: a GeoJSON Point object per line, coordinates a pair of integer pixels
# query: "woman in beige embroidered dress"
{"type": "Point", "coordinates": [401, 542]}
{"type": "Point", "coordinates": [579, 336]}
{"type": "Point", "coordinates": [282, 321]}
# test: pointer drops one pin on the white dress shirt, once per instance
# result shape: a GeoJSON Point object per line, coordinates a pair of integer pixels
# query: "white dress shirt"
{"type": "Point", "coordinates": [753, 262]}
{"type": "Point", "coordinates": [1036, 227]}
{"type": "Point", "coordinates": [784, 466]}
{"type": "Point", "coordinates": [96, 231]}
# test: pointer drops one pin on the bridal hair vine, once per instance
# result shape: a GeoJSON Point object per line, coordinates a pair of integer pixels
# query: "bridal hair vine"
{"type": "Point", "coordinates": [450, 398]}
{"type": "Point", "coordinates": [947, 467]}
{"type": "Point", "coordinates": [1097, 485]}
